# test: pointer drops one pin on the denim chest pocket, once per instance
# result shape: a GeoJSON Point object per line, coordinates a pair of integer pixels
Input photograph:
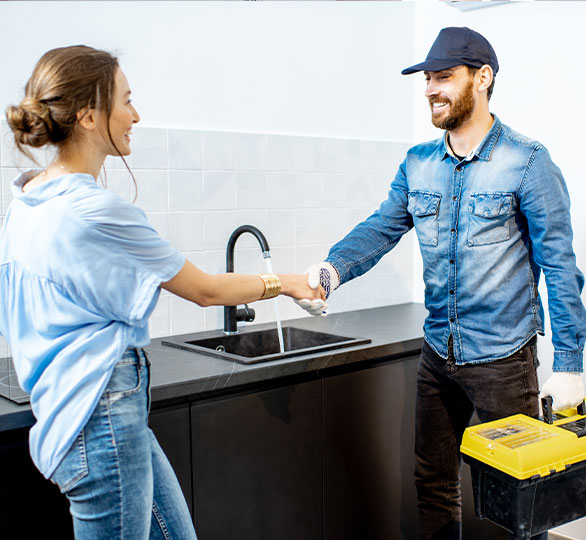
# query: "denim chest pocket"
{"type": "Point", "coordinates": [424, 207]}
{"type": "Point", "coordinates": [489, 218]}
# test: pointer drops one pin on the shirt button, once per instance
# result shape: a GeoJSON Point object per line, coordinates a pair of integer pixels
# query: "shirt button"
{"type": "Point", "coordinates": [451, 292]}
{"type": "Point", "coordinates": [453, 230]}
{"type": "Point", "coordinates": [451, 261]}
{"type": "Point", "coordinates": [451, 319]}
{"type": "Point", "coordinates": [454, 198]}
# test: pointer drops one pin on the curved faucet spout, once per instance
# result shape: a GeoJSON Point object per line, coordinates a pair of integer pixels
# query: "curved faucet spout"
{"type": "Point", "coordinates": [264, 245]}
{"type": "Point", "coordinates": [231, 315]}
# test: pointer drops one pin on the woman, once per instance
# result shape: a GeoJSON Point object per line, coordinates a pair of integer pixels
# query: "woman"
{"type": "Point", "coordinates": [80, 273]}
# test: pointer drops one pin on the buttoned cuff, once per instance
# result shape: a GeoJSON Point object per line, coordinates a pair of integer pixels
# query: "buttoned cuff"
{"type": "Point", "coordinates": [568, 361]}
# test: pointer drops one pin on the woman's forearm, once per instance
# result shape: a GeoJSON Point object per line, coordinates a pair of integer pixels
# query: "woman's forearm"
{"type": "Point", "coordinates": [231, 289]}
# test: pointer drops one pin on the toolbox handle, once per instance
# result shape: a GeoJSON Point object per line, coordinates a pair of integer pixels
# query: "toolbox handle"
{"type": "Point", "coordinates": [546, 407]}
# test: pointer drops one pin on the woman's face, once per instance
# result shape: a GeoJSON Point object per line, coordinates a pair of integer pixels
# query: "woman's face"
{"type": "Point", "coordinates": [123, 115]}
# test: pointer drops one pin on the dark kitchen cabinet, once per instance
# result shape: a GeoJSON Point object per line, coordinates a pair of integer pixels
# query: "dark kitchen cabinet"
{"type": "Point", "coordinates": [171, 427]}
{"type": "Point", "coordinates": [30, 506]}
{"type": "Point", "coordinates": [327, 457]}
{"type": "Point", "coordinates": [369, 489]}
{"type": "Point", "coordinates": [368, 419]}
{"type": "Point", "coordinates": [257, 465]}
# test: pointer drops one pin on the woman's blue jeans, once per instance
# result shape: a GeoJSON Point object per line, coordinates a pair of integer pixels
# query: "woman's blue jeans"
{"type": "Point", "coordinates": [119, 482]}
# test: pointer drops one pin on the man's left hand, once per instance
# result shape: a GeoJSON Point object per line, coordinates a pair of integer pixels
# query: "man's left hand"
{"type": "Point", "coordinates": [565, 388]}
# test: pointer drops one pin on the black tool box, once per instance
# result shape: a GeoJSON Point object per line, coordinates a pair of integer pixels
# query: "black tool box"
{"type": "Point", "coordinates": [529, 476]}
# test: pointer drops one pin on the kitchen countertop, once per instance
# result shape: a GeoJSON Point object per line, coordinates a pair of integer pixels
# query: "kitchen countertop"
{"type": "Point", "coordinates": [178, 375]}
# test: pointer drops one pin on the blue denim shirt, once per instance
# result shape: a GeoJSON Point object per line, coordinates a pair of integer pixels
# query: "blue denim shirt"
{"type": "Point", "coordinates": [487, 226]}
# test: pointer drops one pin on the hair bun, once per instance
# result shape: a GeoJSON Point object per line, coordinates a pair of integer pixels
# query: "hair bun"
{"type": "Point", "coordinates": [30, 122]}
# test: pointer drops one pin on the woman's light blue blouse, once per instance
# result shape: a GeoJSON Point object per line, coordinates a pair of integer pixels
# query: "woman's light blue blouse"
{"type": "Point", "coordinates": [80, 273]}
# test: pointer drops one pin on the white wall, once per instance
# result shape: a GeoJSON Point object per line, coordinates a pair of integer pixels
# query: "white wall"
{"type": "Point", "coordinates": [301, 68]}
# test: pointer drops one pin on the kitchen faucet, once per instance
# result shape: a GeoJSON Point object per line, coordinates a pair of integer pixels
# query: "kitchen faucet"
{"type": "Point", "coordinates": [232, 315]}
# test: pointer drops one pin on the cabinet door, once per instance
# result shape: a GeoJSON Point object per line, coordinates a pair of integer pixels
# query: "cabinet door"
{"type": "Point", "coordinates": [368, 419]}
{"type": "Point", "coordinates": [30, 506]}
{"type": "Point", "coordinates": [257, 465]}
{"type": "Point", "coordinates": [171, 427]}
{"type": "Point", "coordinates": [369, 461]}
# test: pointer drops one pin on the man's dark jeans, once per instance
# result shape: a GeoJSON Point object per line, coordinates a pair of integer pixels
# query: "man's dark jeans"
{"type": "Point", "coordinates": [447, 396]}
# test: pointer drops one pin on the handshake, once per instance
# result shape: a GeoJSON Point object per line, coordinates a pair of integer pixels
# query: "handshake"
{"type": "Point", "coordinates": [323, 274]}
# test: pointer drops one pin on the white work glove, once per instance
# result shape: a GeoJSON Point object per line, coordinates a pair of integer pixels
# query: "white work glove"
{"type": "Point", "coordinates": [323, 274]}
{"type": "Point", "coordinates": [565, 388]}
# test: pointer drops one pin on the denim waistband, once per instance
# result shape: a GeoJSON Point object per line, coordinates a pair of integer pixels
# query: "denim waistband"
{"type": "Point", "coordinates": [133, 354]}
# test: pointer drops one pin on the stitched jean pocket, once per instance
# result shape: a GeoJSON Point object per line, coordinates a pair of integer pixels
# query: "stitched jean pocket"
{"type": "Point", "coordinates": [73, 466]}
{"type": "Point", "coordinates": [489, 218]}
{"type": "Point", "coordinates": [424, 207]}
{"type": "Point", "coordinates": [125, 380]}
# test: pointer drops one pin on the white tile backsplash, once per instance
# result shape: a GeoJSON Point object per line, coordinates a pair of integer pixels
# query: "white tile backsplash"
{"type": "Point", "coordinates": [152, 190]}
{"type": "Point", "coordinates": [149, 148]}
{"type": "Point", "coordinates": [281, 227]}
{"type": "Point", "coordinates": [185, 147]}
{"type": "Point", "coordinates": [185, 190]}
{"type": "Point", "coordinates": [251, 152]}
{"type": "Point", "coordinates": [185, 316]}
{"type": "Point", "coordinates": [308, 226]}
{"type": "Point", "coordinates": [217, 228]}
{"type": "Point", "coordinates": [185, 230]}
{"type": "Point", "coordinates": [120, 182]}
{"type": "Point", "coordinates": [219, 151]}
{"type": "Point", "coordinates": [280, 153]}
{"type": "Point", "coordinates": [251, 190]}
{"type": "Point", "coordinates": [303, 193]}
{"type": "Point", "coordinates": [219, 190]}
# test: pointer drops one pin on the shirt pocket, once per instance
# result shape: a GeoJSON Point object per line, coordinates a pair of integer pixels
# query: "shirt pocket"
{"type": "Point", "coordinates": [424, 207]}
{"type": "Point", "coordinates": [489, 218]}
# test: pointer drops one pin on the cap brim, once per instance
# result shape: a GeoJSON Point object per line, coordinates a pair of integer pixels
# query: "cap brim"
{"type": "Point", "coordinates": [432, 65]}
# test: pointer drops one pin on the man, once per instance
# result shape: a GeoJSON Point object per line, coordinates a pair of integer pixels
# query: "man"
{"type": "Point", "coordinates": [491, 210]}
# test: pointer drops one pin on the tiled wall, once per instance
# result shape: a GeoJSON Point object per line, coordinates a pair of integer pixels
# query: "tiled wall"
{"type": "Point", "coordinates": [304, 193]}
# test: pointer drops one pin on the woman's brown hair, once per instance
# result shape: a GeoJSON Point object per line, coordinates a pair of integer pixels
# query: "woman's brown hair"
{"type": "Point", "coordinates": [64, 81]}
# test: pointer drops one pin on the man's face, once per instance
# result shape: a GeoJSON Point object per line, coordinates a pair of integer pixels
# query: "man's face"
{"type": "Point", "coordinates": [451, 97]}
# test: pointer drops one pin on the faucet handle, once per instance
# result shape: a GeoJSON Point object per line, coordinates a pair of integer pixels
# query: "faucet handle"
{"type": "Point", "coordinates": [245, 314]}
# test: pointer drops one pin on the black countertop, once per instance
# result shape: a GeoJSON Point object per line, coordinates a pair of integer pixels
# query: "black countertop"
{"type": "Point", "coordinates": [178, 375]}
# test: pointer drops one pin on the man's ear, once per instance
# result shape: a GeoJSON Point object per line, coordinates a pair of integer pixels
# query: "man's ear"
{"type": "Point", "coordinates": [87, 118]}
{"type": "Point", "coordinates": [485, 77]}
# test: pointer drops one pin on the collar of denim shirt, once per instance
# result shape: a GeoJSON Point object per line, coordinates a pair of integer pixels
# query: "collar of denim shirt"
{"type": "Point", "coordinates": [484, 149]}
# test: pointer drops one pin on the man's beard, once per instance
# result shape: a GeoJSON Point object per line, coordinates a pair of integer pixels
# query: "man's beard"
{"type": "Point", "coordinates": [460, 110]}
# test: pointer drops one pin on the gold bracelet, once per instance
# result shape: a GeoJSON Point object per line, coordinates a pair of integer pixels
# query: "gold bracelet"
{"type": "Point", "coordinates": [272, 285]}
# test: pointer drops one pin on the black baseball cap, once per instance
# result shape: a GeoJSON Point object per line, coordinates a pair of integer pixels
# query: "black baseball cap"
{"type": "Point", "coordinates": [456, 46]}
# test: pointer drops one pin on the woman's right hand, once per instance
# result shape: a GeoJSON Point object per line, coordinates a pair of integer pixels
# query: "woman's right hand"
{"type": "Point", "coordinates": [297, 286]}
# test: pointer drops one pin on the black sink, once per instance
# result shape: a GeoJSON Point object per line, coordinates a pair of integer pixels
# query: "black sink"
{"type": "Point", "coordinates": [263, 345]}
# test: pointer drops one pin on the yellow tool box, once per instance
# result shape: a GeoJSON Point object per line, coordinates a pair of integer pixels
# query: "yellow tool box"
{"type": "Point", "coordinates": [528, 475]}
